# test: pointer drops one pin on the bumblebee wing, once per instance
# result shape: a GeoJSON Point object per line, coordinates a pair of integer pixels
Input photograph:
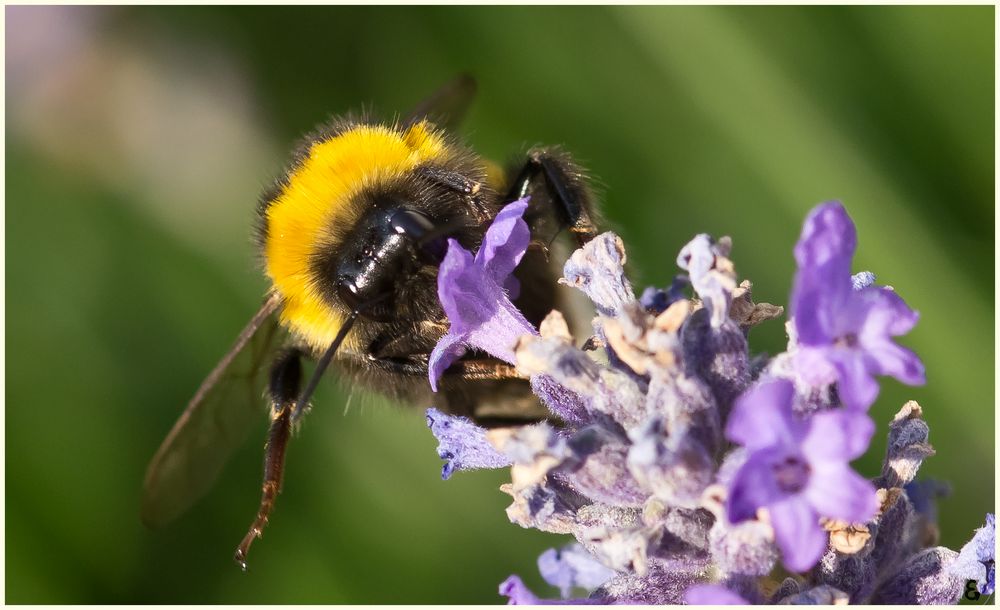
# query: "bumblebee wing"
{"type": "Point", "coordinates": [214, 423]}
{"type": "Point", "coordinates": [447, 106]}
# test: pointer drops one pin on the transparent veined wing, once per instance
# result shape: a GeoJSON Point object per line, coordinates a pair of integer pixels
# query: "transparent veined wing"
{"type": "Point", "coordinates": [447, 106]}
{"type": "Point", "coordinates": [214, 424]}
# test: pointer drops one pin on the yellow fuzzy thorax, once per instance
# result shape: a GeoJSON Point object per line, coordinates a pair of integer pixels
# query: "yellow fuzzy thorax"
{"type": "Point", "coordinates": [317, 198]}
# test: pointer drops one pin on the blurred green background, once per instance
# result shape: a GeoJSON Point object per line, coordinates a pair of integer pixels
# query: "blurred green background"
{"type": "Point", "coordinates": [139, 138]}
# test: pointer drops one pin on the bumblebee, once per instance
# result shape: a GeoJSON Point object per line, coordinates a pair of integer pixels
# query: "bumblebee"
{"type": "Point", "coordinates": [351, 236]}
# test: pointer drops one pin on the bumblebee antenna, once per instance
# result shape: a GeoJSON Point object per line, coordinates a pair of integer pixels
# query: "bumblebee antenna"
{"type": "Point", "coordinates": [300, 405]}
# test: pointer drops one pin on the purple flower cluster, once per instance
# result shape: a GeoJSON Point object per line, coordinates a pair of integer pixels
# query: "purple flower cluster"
{"type": "Point", "coordinates": [686, 470]}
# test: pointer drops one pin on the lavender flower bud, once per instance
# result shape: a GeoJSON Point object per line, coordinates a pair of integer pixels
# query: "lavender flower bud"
{"type": "Point", "coordinates": [718, 355]}
{"type": "Point", "coordinates": [743, 548]}
{"type": "Point", "coordinates": [787, 588]}
{"type": "Point", "coordinates": [687, 405]}
{"type": "Point", "coordinates": [907, 448]}
{"type": "Point", "coordinates": [674, 466]}
{"type": "Point", "coordinates": [549, 506]}
{"type": "Point", "coordinates": [923, 579]}
{"type": "Point", "coordinates": [712, 274]}
{"type": "Point", "coordinates": [605, 390]}
{"type": "Point", "coordinates": [896, 536]}
{"type": "Point", "coordinates": [688, 526]}
{"type": "Point", "coordinates": [656, 301]}
{"type": "Point", "coordinates": [601, 471]}
{"type": "Point", "coordinates": [852, 574]}
{"type": "Point", "coordinates": [664, 583]}
{"type": "Point", "coordinates": [598, 270]}
{"type": "Point", "coordinates": [823, 595]}
{"type": "Point", "coordinates": [615, 535]}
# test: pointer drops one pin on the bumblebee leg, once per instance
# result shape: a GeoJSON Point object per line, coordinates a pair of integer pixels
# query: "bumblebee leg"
{"type": "Point", "coordinates": [564, 187]}
{"type": "Point", "coordinates": [393, 355]}
{"type": "Point", "coordinates": [456, 182]}
{"type": "Point", "coordinates": [286, 377]}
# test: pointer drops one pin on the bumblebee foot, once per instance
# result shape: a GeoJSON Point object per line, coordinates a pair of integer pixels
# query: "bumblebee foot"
{"type": "Point", "coordinates": [240, 557]}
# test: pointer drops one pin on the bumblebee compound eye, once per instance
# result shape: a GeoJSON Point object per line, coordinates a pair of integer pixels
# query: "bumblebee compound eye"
{"type": "Point", "coordinates": [428, 242]}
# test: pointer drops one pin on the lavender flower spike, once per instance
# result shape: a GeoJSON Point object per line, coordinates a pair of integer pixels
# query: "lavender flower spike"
{"type": "Point", "coordinates": [472, 293]}
{"type": "Point", "coordinates": [845, 334]}
{"type": "Point", "coordinates": [798, 469]}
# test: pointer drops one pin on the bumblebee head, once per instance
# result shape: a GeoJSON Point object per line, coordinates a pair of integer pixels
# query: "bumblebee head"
{"type": "Point", "coordinates": [381, 268]}
{"type": "Point", "coordinates": [353, 227]}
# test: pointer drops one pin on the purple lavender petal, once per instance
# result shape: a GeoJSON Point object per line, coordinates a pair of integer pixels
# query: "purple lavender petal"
{"type": "Point", "coordinates": [712, 595]}
{"type": "Point", "coordinates": [512, 286]}
{"type": "Point", "coordinates": [460, 285]}
{"type": "Point", "coordinates": [505, 241]}
{"type": "Point", "coordinates": [827, 243]}
{"type": "Point", "coordinates": [462, 444]}
{"type": "Point", "coordinates": [445, 353]}
{"type": "Point", "coordinates": [836, 491]}
{"type": "Point", "coordinates": [811, 313]}
{"type": "Point", "coordinates": [518, 594]}
{"type": "Point", "coordinates": [480, 313]}
{"type": "Point", "coordinates": [761, 416]}
{"type": "Point", "coordinates": [856, 386]}
{"type": "Point", "coordinates": [498, 334]}
{"type": "Point", "coordinates": [885, 314]}
{"type": "Point", "coordinates": [799, 535]}
{"type": "Point", "coordinates": [753, 485]}
{"type": "Point", "coordinates": [813, 366]}
{"type": "Point", "coordinates": [847, 320]}
{"type": "Point", "coordinates": [572, 566]}
{"type": "Point", "coordinates": [895, 361]}
{"type": "Point", "coordinates": [837, 435]}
